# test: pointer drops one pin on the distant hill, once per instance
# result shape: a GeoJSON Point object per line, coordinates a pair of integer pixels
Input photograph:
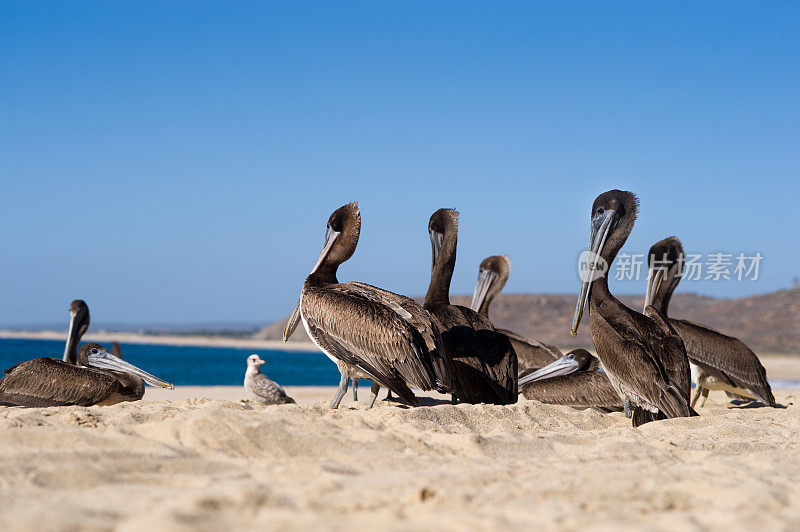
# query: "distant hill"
{"type": "Point", "coordinates": [766, 322]}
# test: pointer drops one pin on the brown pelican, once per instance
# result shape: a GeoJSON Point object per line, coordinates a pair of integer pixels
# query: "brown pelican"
{"type": "Point", "coordinates": [94, 380]}
{"type": "Point", "coordinates": [492, 277]}
{"type": "Point", "coordinates": [263, 389]}
{"type": "Point", "coordinates": [717, 361]}
{"type": "Point", "coordinates": [577, 379]}
{"type": "Point", "coordinates": [643, 356]}
{"type": "Point", "coordinates": [481, 362]}
{"type": "Point", "coordinates": [368, 332]}
{"type": "Point", "coordinates": [132, 385]}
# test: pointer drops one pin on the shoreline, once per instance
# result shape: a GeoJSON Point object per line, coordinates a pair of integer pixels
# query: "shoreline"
{"type": "Point", "coordinates": [166, 339]}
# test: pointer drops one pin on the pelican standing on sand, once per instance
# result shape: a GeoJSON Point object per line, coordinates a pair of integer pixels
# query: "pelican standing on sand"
{"type": "Point", "coordinates": [262, 388]}
{"type": "Point", "coordinates": [717, 361]}
{"type": "Point", "coordinates": [493, 274]}
{"type": "Point", "coordinates": [643, 356]}
{"type": "Point", "coordinates": [577, 379]}
{"type": "Point", "coordinates": [368, 332]}
{"type": "Point", "coordinates": [481, 362]}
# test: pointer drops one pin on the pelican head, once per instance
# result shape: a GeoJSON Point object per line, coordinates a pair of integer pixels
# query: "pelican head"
{"type": "Point", "coordinates": [611, 221]}
{"type": "Point", "coordinates": [96, 356]}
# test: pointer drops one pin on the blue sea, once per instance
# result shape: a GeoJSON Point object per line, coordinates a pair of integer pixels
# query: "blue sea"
{"type": "Point", "coordinates": [196, 366]}
{"type": "Point", "coordinates": [213, 366]}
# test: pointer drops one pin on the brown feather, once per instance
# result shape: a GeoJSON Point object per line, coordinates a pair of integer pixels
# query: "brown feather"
{"type": "Point", "coordinates": [45, 382]}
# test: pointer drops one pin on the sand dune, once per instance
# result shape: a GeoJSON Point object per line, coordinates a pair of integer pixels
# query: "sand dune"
{"type": "Point", "coordinates": [229, 464]}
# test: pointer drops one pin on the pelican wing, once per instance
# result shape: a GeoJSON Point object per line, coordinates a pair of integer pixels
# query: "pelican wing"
{"type": "Point", "coordinates": [354, 324]}
{"type": "Point", "coordinates": [724, 357]}
{"type": "Point", "coordinates": [582, 389]}
{"type": "Point", "coordinates": [498, 355]}
{"type": "Point", "coordinates": [43, 382]}
{"type": "Point", "coordinates": [649, 353]}
{"type": "Point", "coordinates": [482, 363]}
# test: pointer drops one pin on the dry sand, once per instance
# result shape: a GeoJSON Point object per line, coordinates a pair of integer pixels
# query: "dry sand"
{"type": "Point", "coordinates": [227, 464]}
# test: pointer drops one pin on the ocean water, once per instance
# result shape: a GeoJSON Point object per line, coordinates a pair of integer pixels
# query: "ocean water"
{"type": "Point", "coordinates": [210, 366]}
{"type": "Point", "coordinates": [196, 366]}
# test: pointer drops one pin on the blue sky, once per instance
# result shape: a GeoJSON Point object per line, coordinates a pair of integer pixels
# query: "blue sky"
{"type": "Point", "coordinates": [177, 162]}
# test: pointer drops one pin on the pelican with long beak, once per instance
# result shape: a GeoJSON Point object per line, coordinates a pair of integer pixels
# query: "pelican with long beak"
{"type": "Point", "coordinates": [643, 356]}
{"type": "Point", "coordinates": [479, 364]}
{"type": "Point", "coordinates": [717, 361]}
{"type": "Point", "coordinates": [92, 380]}
{"type": "Point", "coordinates": [369, 333]}
{"type": "Point", "coordinates": [493, 274]}
{"type": "Point", "coordinates": [577, 379]}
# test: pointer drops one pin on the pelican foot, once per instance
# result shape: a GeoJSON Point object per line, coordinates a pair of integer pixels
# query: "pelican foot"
{"type": "Point", "coordinates": [705, 396]}
{"type": "Point", "coordinates": [343, 382]}
{"type": "Point", "coordinates": [373, 395]}
{"type": "Point", "coordinates": [697, 391]}
{"type": "Point", "coordinates": [626, 404]}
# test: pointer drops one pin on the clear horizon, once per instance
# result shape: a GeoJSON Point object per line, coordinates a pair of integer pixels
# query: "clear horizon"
{"type": "Point", "coordinates": [177, 163]}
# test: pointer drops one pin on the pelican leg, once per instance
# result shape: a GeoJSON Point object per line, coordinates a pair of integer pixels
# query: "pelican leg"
{"type": "Point", "coordinates": [374, 394]}
{"type": "Point", "coordinates": [453, 399]}
{"type": "Point", "coordinates": [355, 390]}
{"type": "Point", "coordinates": [705, 396]}
{"type": "Point", "coordinates": [626, 404]}
{"type": "Point", "coordinates": [388, 396]}
{"type": "Point", "coordinates": [697, 391]}
{"type": "Point", "coordinates": [343, 382]}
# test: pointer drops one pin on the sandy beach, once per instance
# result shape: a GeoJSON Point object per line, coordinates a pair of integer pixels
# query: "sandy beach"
{"type": "Point", "coordinates": [208, 459]}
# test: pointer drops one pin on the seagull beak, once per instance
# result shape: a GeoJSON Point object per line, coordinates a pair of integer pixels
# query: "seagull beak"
{"type": "Point", "coordinates": [594, 264]}
{"type": "Point", "coordinates": [486, 279]}
{"type": "Point", "coordinates": [105, 360]}
{"type": "Point", "coordinates": [563, 366]}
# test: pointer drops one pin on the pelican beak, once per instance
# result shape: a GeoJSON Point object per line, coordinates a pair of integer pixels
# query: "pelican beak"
{"type": "Point", "coordinates": [78, 323]}
{"type": "Point", "coordinates": [563, 366]}
{"type": "Point", "coordinates": [594, 265]}
{"type": "Point", "coordinates": [654, 279]}
{"type": "Point", "coordinates": [486, 279]}
{"type": "Point", "coordinates": [72, 340]}
{"type": "Point", "coordinates": [291, 325]}
{"type": "Point", "coordinates": [330, 238]}
{"type": "Point", "coordinates": [105, 360]}
{"type": "Point", "coordinates": [436, 244]}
